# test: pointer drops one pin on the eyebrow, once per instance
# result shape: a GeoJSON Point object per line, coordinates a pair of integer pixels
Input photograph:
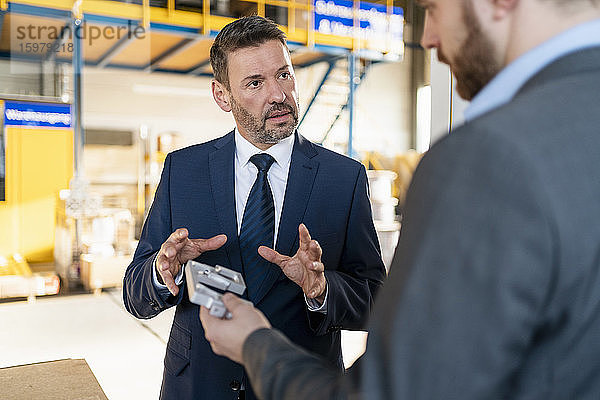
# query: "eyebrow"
{"type": "Point", "coordinates": [252, 77]}
{"type": "Point", "coordinates": [260, 76]}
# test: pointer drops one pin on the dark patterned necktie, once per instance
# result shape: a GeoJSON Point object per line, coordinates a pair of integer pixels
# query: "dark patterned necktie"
{"type": "Point", "coordinates": [258, 225]}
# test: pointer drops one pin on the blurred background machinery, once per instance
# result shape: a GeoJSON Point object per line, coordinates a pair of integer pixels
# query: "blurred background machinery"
{"type": "Point", "coordinates": [73, 199]}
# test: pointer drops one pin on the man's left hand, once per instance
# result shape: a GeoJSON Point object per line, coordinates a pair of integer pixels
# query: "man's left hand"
{"type": "Point", "coordinates": [227, 336]}
{"type": "Point", "coordinates": [305, 267]}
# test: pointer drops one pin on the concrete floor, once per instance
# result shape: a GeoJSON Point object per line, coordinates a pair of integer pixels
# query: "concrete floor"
{"type": "Point", "coordinates": [125, 354]}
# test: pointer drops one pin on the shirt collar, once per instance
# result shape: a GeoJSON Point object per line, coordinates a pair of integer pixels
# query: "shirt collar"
{"type": "Point", "coordinates": [507, 83]}
{"type": "Point", "coordinates": [281, 151]}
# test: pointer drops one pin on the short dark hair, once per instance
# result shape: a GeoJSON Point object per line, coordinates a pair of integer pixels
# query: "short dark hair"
{"type": "Point", "coordinates": [241, 33]}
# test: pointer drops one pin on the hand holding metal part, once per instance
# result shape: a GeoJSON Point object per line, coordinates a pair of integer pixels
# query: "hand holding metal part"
{"type": "Point", "coordinates": [201, 277]}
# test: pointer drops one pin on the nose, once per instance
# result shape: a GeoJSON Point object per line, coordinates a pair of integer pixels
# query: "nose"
{"type": "Point", "coordinates": [276, 93]}
{"type": "Point", "coordinates": [430, 39]}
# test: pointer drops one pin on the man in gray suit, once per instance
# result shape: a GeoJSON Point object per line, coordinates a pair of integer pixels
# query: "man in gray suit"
{"type": "Point", "coordinates": [495, 286]}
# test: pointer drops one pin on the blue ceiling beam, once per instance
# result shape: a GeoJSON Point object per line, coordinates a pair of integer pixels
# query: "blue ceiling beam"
{"type": "Point", "coordinates": [37, 11]}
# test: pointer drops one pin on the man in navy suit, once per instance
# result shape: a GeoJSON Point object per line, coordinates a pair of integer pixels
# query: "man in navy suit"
{"type": "Point", "coordinates": [247, 201]}
{"type": "Point", "coordinates": [495, 284]}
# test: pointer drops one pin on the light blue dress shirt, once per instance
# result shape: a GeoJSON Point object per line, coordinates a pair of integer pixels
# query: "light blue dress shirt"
{"type": "Point", "coordinates": [507, 83]}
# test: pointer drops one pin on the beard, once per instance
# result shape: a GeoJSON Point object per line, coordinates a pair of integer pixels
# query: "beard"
{"type": "Point", "coordinates": [257, 127]}
{"type": "Point", "coordinates": [475, 65]}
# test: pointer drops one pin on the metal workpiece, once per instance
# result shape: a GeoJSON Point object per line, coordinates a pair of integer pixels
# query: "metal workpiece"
{"type": "Point", "coordinates": [201, 277]}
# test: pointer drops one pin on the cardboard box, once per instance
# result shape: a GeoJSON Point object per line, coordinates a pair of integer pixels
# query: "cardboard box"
{"type": "Point", "coordinates": [99, 272]}
{"type": "Point", "coordinates": [54, 380]}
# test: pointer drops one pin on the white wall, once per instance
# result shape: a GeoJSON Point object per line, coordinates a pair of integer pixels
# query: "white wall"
{"type": "Point", "coordinates": [382, 113]}
{"type": "Point", "coordinates": [122, 99]}
{"type": "Point", "coordinates": [443, 100]}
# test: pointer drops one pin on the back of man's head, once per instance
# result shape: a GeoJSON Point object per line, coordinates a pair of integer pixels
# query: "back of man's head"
{"type": "Point", "coordinates": [245, 32]}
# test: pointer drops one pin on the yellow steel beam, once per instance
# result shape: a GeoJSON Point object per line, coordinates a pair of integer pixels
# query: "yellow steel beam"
{"type": "Point", "coordinates": [280, 3]}
{"type": "Point", "coordinates": [291, 16]}
{"type": "Point", "coordinates": [310, 32]}
{"type": "Point", "coordinates": [146, 13]}
{"type": "Point", "coordinates": [170, 7]}
{"type": "Point", "coordinates": [201, 21]}
{"type": "Point", "coordinates": [205, 17]}
{"type": "Point", "coordinates": [260, 7]}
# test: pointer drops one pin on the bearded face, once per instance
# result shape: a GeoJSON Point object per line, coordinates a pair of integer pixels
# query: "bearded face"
{"type": "Point", "coordinates": [277, 122]}
{"type": "Point", "coordinates": [474, 64]}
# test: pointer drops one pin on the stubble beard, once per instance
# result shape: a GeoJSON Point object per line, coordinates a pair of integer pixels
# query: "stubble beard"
{"type": "Point", "coordinates": [474, 65]}
{"type": "Point", "coordinates": [257, 127]}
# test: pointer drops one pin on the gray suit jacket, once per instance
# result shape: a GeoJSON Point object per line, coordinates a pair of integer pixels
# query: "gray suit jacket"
{"type": "Point", "coordinates": [495, 287]}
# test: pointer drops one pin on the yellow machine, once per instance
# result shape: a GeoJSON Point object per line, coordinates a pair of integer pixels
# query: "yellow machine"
{"type": "Point", "coordinates": [38, 164]}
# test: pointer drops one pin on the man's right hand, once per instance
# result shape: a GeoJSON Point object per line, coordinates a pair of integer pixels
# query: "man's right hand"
{"type": "Point", "coordinates": [179, 249]}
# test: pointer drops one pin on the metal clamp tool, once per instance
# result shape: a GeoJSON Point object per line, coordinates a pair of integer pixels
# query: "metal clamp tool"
{"type": "Point", "coordinates": [200, 277]}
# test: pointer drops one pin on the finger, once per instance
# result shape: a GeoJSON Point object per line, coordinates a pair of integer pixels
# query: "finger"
{"type": "Point", "coordinates": [162, 263]}
{"type": "Point", "coordinates": [178, 236]}
{"type": "Point", "coordinates": [169, 251]}
{"type": "Point", "coordinates": [205, 317]}
{"type": "Point", "coordinates": [212, 243]}
{"type": "Point", "coordinates": [207, 321]}
{"type": "Point", "coordinates": [272, 256]}
{"type": "Point", "coordinates": [168, 280]}
{"type": "Point", "coordinates": [304, 237]}
{"type": "Point", "coordinates": [314, 250]}
{"type": "Point", "coordinates": [317, 266]}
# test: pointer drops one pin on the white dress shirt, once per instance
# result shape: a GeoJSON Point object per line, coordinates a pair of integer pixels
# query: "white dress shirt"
{"type": "Point", "coordinates": [245, 175]}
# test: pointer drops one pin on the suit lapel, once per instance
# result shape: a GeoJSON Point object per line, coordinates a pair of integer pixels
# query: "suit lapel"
{"type": "Point", "coordinates": [301, 177]}
{"type": "Point", "coordinates": [222, 179]}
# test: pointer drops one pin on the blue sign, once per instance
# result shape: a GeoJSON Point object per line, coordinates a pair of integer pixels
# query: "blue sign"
{"type": "Point", "coordinates": [17, 113]}
{"type": "Point", "coordinates": [336, 17]}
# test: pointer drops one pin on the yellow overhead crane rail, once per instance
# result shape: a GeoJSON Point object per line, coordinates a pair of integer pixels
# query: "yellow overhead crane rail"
{"type": "Point", "coordinates": [299, 30]}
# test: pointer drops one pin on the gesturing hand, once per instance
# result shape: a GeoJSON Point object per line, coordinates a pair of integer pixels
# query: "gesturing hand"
{"type": "Point", "coordinates": [179, 249]}
{"type": "Point", "coordinates": [304, 268]}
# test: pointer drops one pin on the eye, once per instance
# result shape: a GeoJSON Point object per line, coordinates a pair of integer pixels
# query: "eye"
{"type": "Point", "coordinates": [254, 84]}
{"type": "Point", "coordinates": [285, 75]}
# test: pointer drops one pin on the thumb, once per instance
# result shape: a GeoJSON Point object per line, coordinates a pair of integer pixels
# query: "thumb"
{"type": "Point", "coordinates": [212, 243]}
{"type": "Point", "coordinates": [232, 302]}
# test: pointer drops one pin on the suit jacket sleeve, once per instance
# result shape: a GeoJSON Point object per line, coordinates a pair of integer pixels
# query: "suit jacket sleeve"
{"type": "Point", "coordinates": [353, 284]}
{"type": "Point", "coordinates": [279, 369]}
{"type": "Point", "coordinates": [472, 274]}
{"type": "Point", "coordinates": [140, 296]}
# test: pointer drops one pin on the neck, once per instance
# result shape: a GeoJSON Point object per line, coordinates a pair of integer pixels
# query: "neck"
{"type": "Point", "coordinates": [536, 22]}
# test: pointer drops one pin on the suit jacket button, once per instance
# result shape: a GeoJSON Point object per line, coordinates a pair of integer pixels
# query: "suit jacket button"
{"type": "Point", "coordinates": [235, 385]}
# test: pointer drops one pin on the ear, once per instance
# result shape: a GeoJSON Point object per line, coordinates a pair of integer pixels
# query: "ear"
{"type": "Point", "coordinates": [502, 8]}
{"type": "Point", "coordinates": [221, 95]}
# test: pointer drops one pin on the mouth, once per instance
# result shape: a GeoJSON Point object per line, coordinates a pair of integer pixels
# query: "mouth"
{"type": "Point", "coordinates": [278, 116]}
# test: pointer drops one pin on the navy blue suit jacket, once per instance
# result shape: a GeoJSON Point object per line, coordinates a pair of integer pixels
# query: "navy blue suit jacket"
{"type": "Point", "coordinates": [325, 190]}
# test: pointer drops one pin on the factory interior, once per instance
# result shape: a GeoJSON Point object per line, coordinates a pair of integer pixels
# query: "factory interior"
{"type": "Point", "coordinates": [89, 119]}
